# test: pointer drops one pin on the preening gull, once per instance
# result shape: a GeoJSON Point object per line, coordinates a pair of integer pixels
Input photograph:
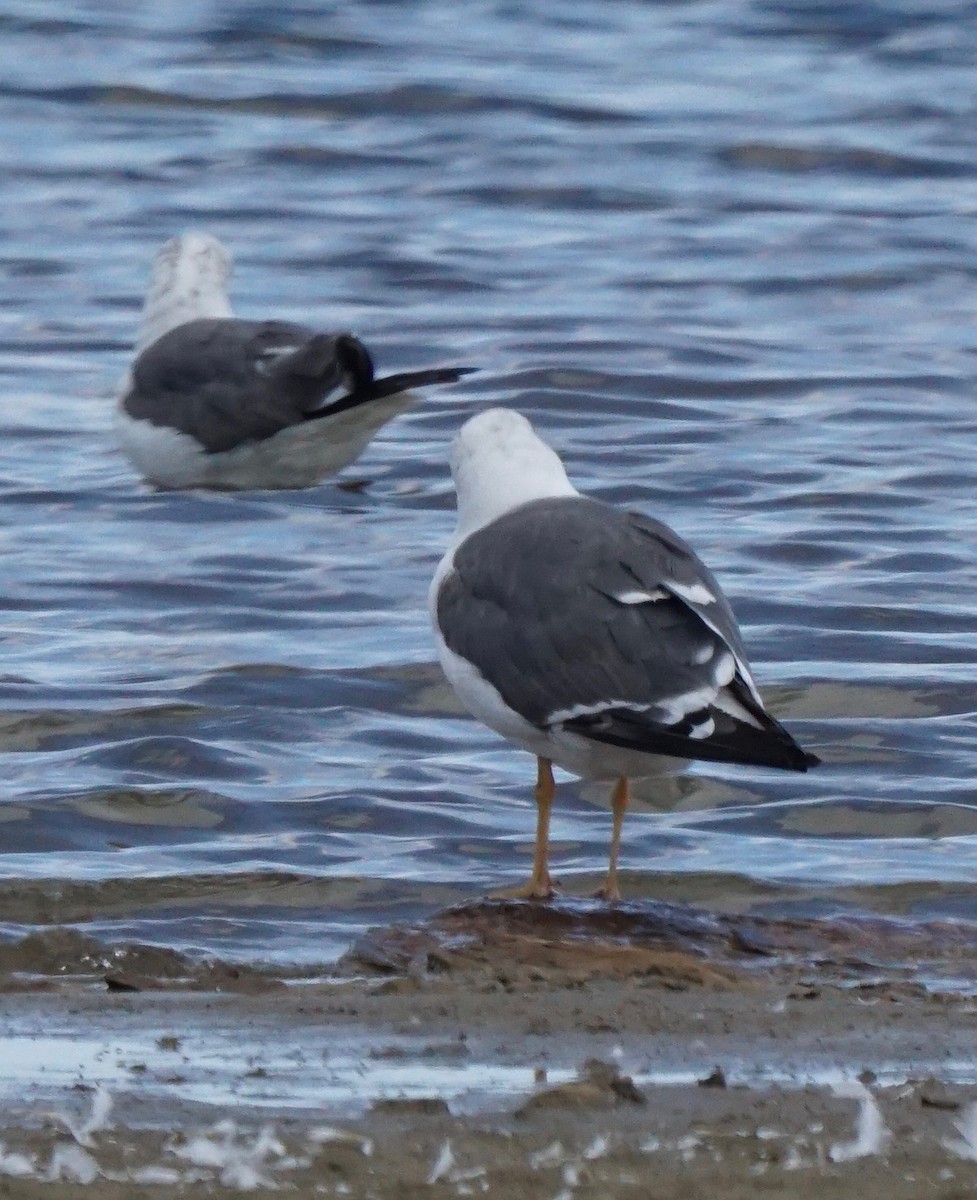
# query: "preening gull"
{"type": "Point", "coordinates": [592, 637]}
{"type": "Point", "coordinates": [218, 402]}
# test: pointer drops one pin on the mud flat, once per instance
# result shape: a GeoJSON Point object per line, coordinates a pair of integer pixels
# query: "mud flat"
{"type": "Point", "coordinates": [505, 1049]}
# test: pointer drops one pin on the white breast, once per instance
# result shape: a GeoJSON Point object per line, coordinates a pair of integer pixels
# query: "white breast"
{"type": "Point", "coordinates": [166, 457]}
{"type": "Point", "coordinates": [298, 456]}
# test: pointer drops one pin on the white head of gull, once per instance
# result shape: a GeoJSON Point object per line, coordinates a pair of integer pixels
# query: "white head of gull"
{"type": "Point", "coordinates": [188, 281]}
{"type": "Point", "coordinates": [498, 463]}
{"type": "Point", "coordinates": [215, 401]}
{"type": "Point", "coordinates": [592, 637]}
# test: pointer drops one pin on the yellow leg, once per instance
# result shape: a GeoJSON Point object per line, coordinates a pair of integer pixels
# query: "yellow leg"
{"type": "Point", "coordinates": [619, 806]}
{"type": "Point", "coordinates": [540, 885]}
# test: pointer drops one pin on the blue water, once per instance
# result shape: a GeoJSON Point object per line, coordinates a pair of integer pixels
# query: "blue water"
{"type": "Point", "coordinates": [723, 254]}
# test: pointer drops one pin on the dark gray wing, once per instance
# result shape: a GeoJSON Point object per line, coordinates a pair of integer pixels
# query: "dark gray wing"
{"type": "Point", "coordinates": [228, 381]}
{"type": "Point", "coordinates": [607, 624]}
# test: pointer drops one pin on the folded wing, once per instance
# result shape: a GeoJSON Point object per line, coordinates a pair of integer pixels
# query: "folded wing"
{"type": "Point", "coordinates": [228, 382]}
{"type": "Point", "coordinates": [606, 624]}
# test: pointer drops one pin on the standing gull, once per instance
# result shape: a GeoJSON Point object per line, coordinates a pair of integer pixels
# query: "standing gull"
{"type": "Point", "coordinates": [592, 637]}
{"type": "Point", "coordinates": [217, 402]}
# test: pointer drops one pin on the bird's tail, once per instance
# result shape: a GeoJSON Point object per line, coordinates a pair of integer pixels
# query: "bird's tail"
{"type": "Point", "coordinates": [367, 389]}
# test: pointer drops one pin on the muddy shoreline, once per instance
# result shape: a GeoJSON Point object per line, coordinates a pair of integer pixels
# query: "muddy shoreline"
{"type": "Point", "coordinates": [570, 1050]}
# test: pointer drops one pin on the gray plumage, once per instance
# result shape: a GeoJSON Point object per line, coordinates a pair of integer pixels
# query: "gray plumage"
{"type": "Point", "coordinates": [546, 603]}
{"type": "Point", "coordinates": [228, 382]}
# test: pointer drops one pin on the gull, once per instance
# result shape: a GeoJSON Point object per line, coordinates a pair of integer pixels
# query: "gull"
{"type": "Point", "coordinates": [214, 401]}
{"type": "Point", "coordinates": [592, 637]}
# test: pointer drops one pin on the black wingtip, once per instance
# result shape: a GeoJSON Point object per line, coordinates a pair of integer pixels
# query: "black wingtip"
{"type": "Point", "coordinates": [402, 382]}
{"type": "Point", "coordinates": [390, 385]}
{"type": "Point", "coordinates": [796, 759]}
{"type": "Point", "coordinates": [768, 746]}
{"type": "Point", "coordinates": [355, 360]}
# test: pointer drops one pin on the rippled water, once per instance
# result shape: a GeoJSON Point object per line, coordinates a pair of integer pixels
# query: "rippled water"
{"type": "Point", "coordinates": [722, 253]}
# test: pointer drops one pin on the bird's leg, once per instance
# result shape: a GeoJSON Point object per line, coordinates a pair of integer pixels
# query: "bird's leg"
{"type": "Point", "coordinates": [619, 805]}
{"type": "Point", "coordinates": [540, 885]}
{"type": "Point", "coordinates": [543, 794]}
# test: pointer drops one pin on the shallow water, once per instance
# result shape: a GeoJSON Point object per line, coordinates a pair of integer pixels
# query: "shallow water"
{"type": "Point", "coordinates": [215, 1068]}
{"type": "Point", "coordinates": [722, 254]}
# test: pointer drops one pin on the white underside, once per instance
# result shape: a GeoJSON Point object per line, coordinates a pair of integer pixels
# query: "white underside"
{"type": "Point", "coordinates": [296, 457]}
{"type": "Point", "coordinates": [578, 755]}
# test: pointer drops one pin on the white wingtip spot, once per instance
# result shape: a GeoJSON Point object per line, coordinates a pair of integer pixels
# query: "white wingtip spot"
{"type": "Point", "coordinates": [725, 670]}
{"type": "Point", "coordinates": [675, 709]}
{"type": "Point", "coordinates": [694, 593]}
{"type": "Point", "coordinates": [640, 597]}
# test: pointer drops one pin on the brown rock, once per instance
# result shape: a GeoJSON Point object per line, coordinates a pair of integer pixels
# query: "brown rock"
{"type": "Point", "coordinates": [411, 1106]}
{"type": "Point", "coordinates": [599, 1085]}
{"type": "Point", "coordinates": [933, 1093]}
{"type": "Point", "coordinates": [579, 1093]}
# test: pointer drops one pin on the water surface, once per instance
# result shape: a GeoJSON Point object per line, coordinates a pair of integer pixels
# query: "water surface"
{"type": "Point", "coordinates": [722, 254]}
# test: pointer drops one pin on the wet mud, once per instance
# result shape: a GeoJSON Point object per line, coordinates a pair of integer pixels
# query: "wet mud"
{"type": "Point", "coordinates": [502, 1048]}
{"type": "Point", "coordinates": [680, 944]}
